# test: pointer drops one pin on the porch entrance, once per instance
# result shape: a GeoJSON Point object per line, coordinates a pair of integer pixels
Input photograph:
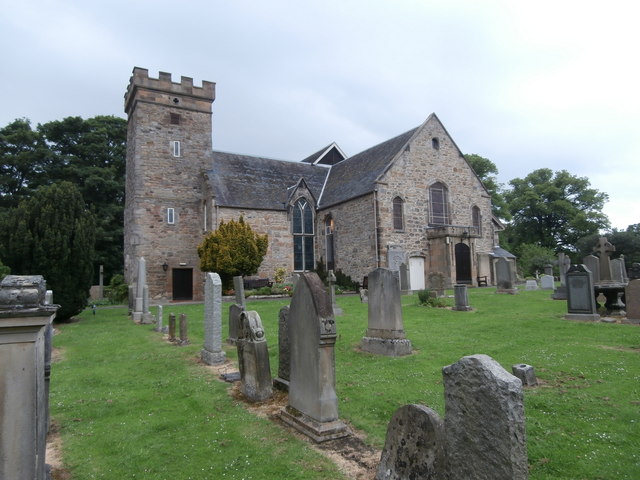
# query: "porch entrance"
{"type": "Point", "coordinates": [182, 284]}
{"type": "Point", "coordinates": [463, 263]}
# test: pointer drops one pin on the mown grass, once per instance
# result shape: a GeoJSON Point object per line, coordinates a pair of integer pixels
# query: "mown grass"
{"type": "Point", "coordinates": [129, 405]}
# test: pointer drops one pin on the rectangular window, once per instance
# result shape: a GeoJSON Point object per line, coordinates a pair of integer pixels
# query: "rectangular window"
{"type": "Point", "coordinates": [175, 148]}
{"type": "Point", "coordinates": [175, 119]}
{"type": "Point", "coordinates": [171, 216]}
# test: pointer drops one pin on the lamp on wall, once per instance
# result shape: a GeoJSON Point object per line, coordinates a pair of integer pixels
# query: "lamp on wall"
{"type": "Point", "coordinates": [165, 267]}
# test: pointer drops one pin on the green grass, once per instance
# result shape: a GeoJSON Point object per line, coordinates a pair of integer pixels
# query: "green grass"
{"type": "Point", "coordinates": [131, 406]}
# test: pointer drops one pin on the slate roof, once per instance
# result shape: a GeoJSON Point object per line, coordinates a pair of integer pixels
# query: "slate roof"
{"type": "Point", "coordinates": [244, 181]}
{"type": "Point", "coordinates": [356, 175]}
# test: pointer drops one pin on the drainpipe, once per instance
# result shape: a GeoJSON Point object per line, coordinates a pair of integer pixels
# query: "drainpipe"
{"type": "Point", "coordinates": [375, 224]}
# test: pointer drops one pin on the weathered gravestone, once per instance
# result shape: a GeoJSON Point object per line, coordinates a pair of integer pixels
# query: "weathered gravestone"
{"type": "Point", "coordinates": [592, 263]}
{"type": "Point", "coordinates": [313, 404]}
{"type": "Point", "coordinates": [618, 274]}
{"type": "Point", "coordinates": [548, 269]}
{"type": "Point", "coordinates": [437, 283]}
{"type": "Point", "coordinates": [158, 327]}
{"type": "Point", "coordinates": [331, 278]}
{"type": "Point", "coordinates": [212, 353]}
{"type": "Point", "coordinates": [25, 330]}
{"type": "Point", "coordinates": [525, 373]}
{"type": "Point", "coordinates": [414, 446]}
{"type": "Point", "coordinates": [560, 293]}
{"type": "Point", "coordinates": [385, 335]}
{"type": "Point", "coordinates": [183, 328]}
{"type": "Point", "coordinates": [141, 312]}
{"type": "Point", "coordinates": [547, 282]}
{"type": "Point", "coordinates": [581, 304]}
{"type": "Point", "coordinates": [253, 359]}
{"type": "Point", "coordinates": [364, 295]}
{"type": "Point", "coordinates": [462, 298]}
{"type": "Point", "coordinates": [604, 249]}
{"type": "Point", "coordinates": [634, 271]}
{"type": "Point", "coordinates": [505, 277]}
{"type": "Point", "coordinates": [404, 277]}
{"type": "Point", "coordinates": [531, 285]}
{"type": "Point", "coordinates": [235, 311]}
{"type": "Point", "coordinates": [172, 327]}
{"type": "Point", "coordinates": [633, 301]}
{"type": "Point", "coordinates": [284, 352]}
{"type": "Point", "coordinates": [484, 421]}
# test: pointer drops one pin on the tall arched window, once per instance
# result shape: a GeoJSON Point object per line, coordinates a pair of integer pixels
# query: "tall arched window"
{"type": "Point", "coordinates": [476, 219]}
{"type": "Point", "coordinates": [439, 200]}
{"type": "Point", "coordinates": [303, 258]}
{"type": "Point", "coordinates": [398, 218]}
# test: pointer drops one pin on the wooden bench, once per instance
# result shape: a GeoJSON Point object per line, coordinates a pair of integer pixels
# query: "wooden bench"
{"type": "Point", "coordinates": [482, 281]}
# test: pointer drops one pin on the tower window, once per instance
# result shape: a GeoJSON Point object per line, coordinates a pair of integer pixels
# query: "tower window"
{"type": "Point", "coordinates": [171, 216]}
{"type": "Point", "coordinates": [435, 143]}
{"type": "Point", "coordinates": [175, 119]}
{"type": "Point", "coordinates": [175, 148]}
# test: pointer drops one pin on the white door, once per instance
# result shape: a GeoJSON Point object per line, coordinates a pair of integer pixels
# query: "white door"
{"type": "Point", "coordinates": [416, 273]}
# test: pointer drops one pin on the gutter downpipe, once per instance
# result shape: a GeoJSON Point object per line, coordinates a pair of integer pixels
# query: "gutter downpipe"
{"type": "Point", "coordinates": [375, 225]}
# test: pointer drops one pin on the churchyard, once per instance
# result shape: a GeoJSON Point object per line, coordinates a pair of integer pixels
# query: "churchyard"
{"type": "Point", "coordinates": [127, 404]}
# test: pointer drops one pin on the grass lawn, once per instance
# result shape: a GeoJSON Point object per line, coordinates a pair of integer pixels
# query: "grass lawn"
{"type": "Point", "coordinates": [129, 405]}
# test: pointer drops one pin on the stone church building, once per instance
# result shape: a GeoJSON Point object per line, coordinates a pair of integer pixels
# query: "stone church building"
{"type": "Point", "coordinates": [412, 203]}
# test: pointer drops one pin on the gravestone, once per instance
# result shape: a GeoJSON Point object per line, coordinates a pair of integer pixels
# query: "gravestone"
{"type": "Point", "coordinates": [235, 311]}
{"type": "Point", "coordinates": [484, 421]}
{"type": "Point", "coordinates": [253, 359]}
{"type": "Point", "coordinates": [604, 249]}
{"type": "Point", "coordinates": [25, 344]}
{"type": "Point", "coordinates": [531, 285]}
{"type": "Point", "coordinates": [617, 270]}
{"type": "Point", "coordinates": [364, 295]}
{"type": "Point", "coordinates": [525, 373]}
{"type": "Point", "coordinates": [548, 269]}
{"type": "Point", "coordinates": [462, 298]}
{"type": "Point", "coordinates": [633, 301]}
{"type": "Point", "coordinates": [385, 335]}
{"type": "Point", "coordinates": [505, 277]}
{"type": "Point", "coordinates": [184, 338]}
{"type": "Point", "coordinates": [414, 446]}
{"type": "Point", "coordinates": [212, 353]}
{"type": "Point", "coordinates": [172, 327]}
{"type": "Point", "coordinates": [581, 304]}
{"type": "Point", "coordinates": [592, 263]}
{"type": "Point", "coordinates": [284, 352]}
{"type": "Point", "coordinates": [547, 282]}
{"type": "Point", "coordinates": [404, 277]}
{"type": "Point", "coordinates": [634, 271]}
{"type": "Point", "coordinates": [331, 278]}
{"type": "Point", "coordinates": [395, 258]}
{"type": "Point", "coordinates": [141, 312]}
{"type": "Point", "coordinates": [158, 327]}
{"type": "Point", "coordinates": [437, 283]}
{"type": "Point", "coordinates": [313, 404]}
{"type": "Point", "coordinates": [623, 267]}
{"type": "Point", "coordinates": [238, 288]}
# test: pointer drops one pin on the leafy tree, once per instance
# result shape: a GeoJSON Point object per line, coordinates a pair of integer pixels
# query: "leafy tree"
{"type": "Point", "coordinates": [627, 243]}
{"type": "Point", "coordinates": [233, 249]}
{"type": "Point", "coordinates": [4, 270]}
{"type": "Point", "coordinates": [487, 171]}
{"type": "Point", "coordinates": [52, 234]}
{"type": "Point", "coordinates": [532, 258]}
{"type": "Point", "coordinates": [23, 156]}
{"type": "Point", "coordinates": [553, 210]}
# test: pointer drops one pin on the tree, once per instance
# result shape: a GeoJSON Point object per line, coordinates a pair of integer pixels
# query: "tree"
{"type": "Point", "coordinates": [627, 243]}
{"type": "Point", "coordinates": [52, 234]}
{"type": "Point", "coordinates": [553, 210]}
{"type": "Point", "coordinates": [233, 249]}
{"type": "Point", "coordinates": [532, 258]}
{"type": "Point", "coordinates": [486, 170]}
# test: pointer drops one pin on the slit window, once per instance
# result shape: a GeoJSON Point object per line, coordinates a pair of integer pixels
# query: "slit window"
{"type": "Point", "coordinates": [171, 216]}
{"type": "Point", "coordinates": [175, 148]}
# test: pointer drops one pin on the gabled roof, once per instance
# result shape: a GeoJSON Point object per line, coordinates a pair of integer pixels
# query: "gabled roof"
{"type": "Point", "coordinates": [329, 155]}
{"type": "Point", "coordinates": [244, 181]}
{"type": "Point", "coordinates": [356, 175]}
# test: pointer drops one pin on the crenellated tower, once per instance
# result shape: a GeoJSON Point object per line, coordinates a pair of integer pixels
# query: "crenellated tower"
{"type": "Point", "coordinates": [168, 146]}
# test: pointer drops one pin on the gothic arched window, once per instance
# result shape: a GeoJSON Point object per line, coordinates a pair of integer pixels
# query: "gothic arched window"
{"type": "Point", "coordinates": [303, 258]}
{"type": "Point", "coordinates": [439, 200]}
{"type": "Point", "coordinates": [398, 216]}
{"type": "Point", "coordinates": [476, 218]}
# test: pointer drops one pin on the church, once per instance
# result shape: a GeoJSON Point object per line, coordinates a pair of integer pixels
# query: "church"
{"type": "Point", "coordinates": [411, 203]}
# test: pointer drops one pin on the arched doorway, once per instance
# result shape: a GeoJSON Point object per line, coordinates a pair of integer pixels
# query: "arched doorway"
{"type": "Point", "coordinates": [463, 263]}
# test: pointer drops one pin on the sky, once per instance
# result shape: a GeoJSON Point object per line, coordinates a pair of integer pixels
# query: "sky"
{"type": "Point", "coordinates": [528, 85]}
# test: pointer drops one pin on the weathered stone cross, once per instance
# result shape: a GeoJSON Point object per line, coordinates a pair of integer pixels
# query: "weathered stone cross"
{"type": "Point", "coordinates": [603, 249]}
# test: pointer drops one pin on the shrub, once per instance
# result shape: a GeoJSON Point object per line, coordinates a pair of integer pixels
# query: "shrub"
{"type": "Point", "coordinates": [281, 272]}
{"type": "Point", "coordinates": [117, 291]}
{"type": "Point", "coordinates": [428, 298]}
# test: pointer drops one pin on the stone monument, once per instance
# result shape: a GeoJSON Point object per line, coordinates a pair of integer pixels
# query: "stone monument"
{"type": "Point", "coordinates": [385, 335]}
{"type": "Point", "coordinates": [581, 304]}
{"type": "Point", "coordinates": [212, 353]}
{"type": "Point", "coordinates": [141, 313]}
{"type": "Point", "coordinates": [505, 277]}
{"type": "Point", "coordinates": [253, 359]}
{"type": "Point", "coordinates": [313, 404]}
{"type": "Point", "coordinates": [281, 382]}
{"type": "Point", "coordinates": [461, 297]}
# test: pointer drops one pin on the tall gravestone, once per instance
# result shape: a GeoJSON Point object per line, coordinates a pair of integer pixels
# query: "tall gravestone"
{"type": "Point", "coordinates": [253, 359]}
{"type": "Point", "coordinates": [238, 288]}
{"type": "Point", "coordinates": [235, 310]}
{"type": "Point", "coordinates": [414, 446]}
{"type": "Point", "coordinates": [212, 353]}
{"type": "Point", "coordinates": [141, 312]}
{"type": "Point", "coordinates": [505, 277]}
{"type": "Point", "coordinates": [284, 352]}
{"type": "Point", "coordinates": [159, 326]}
{"type": "Point", "coordinates": [25, 329]}
{"type": "Point", "coordinates": [581, 304]}
{"type": "Point", "coordinates": [617, 270]}
{"type": "Point", "coordinates": [592, 263]}
{"type": "Point", "coordinates": [461, 298]}
{"type": "Point", "coordinates": [633, 301]}
{"type": "Point", "coordinates": [385, 335]}
{"type": "Point", "coordinates": [313, 404]}
{"type": "Point", "coordinates": [331, 278]}
{"type": "Point", "coordinates": [560, 293]}
{"type": "Point", "coordinates": [484, 421]}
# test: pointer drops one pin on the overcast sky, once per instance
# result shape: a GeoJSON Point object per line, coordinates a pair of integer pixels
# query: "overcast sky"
{"type": "Point", "coordinates": [544, 84]}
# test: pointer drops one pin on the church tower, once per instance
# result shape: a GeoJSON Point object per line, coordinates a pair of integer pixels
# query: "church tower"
{"type": "Point", "coordinates": [168, 147]}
